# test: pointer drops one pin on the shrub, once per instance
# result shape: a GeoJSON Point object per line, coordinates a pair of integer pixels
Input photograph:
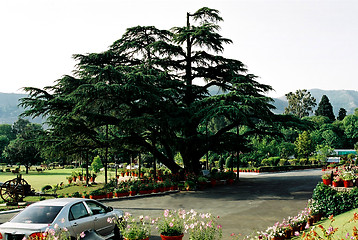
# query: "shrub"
{"type": "Point", "coordinates": [330, 201]}
{"type": "Point", "coordinates": [271, 161]}
{"type": "Point", "coordinates": [46, 188]}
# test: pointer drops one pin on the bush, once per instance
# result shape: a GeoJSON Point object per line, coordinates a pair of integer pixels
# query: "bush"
{"type": "Point", "coordinates": [282, 162]}
{"type": "Point", "coordinates": [271, 161]}
{"type": "Point", "coordinates": [46, 188]}
{"type": "Point", "coordinates": [330, 201]}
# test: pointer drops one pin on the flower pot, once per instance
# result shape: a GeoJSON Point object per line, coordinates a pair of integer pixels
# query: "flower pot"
{"type": "Point", "coordinates": [327, 181]}
{"type": "Point", "coordinates": [336, 184]}
{"type": "Point", "coordinates": [348, 183]}
{"type": "Point", "coordinates": [172, 237]}
{"type": "Point", "coordinates": [121, 194]}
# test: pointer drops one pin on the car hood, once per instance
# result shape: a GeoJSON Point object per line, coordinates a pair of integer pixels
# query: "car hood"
{"type": "Point", "coordinates": [22, 227]}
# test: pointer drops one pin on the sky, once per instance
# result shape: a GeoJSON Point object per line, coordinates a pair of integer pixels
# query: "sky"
{"type": "Point", "coordinates": [289, 44]}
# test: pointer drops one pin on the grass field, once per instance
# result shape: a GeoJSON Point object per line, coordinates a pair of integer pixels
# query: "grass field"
{"type": "Point", "coordinates": [48, 177]}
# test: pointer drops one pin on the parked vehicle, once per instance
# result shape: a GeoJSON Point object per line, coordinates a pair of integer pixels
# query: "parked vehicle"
{"type": "Point", "coordinates": [77, 215]}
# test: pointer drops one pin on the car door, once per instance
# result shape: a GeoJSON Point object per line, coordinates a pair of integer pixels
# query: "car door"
{"type": "Point", "coordinates": [100, 218]}
{"type": "Point", "coordinates": [80, 219]}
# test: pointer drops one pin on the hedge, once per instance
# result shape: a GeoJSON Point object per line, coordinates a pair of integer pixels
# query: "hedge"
{"type": "Point", "coordinates": [331, 201]}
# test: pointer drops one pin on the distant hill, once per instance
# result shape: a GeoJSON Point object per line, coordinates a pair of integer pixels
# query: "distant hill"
{"type": "Point", "coordinates": [347, 99]}
{"type": "Point", "coordinates": [9, 110]}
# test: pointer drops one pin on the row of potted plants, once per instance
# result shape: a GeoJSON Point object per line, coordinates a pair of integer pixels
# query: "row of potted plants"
{"type": "Point", "coordinates": [292, 226]}
{"type": "Point", "coordinates": [132, 188]}
{"type": "Point", "coordinates": [343, 176]}
{"type": "Point", "coordinates": [81, 177]}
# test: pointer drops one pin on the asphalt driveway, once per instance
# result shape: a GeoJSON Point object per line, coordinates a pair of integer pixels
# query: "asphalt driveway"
{"type": "Point", "coordinates": [255, 203]}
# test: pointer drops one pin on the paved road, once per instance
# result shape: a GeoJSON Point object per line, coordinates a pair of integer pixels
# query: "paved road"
{"type": "Point", "coordinates": [256, 202]}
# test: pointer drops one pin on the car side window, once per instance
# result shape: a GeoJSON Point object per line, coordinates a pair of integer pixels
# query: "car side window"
{"type": "Point", "coordinates": [96, 208]}
{"type": "Point", "coordinates": [78, 211]}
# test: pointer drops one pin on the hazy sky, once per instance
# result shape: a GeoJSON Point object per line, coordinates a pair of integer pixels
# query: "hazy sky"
{"type": "Point", "coordinates": [289, 44]}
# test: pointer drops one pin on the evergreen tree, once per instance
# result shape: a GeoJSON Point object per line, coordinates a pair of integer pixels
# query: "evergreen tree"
{"type": "Point", "coordinates": [342, 114]}
{"type": "Point", "coordinates": [140, 95]}
{"type": "Point", "coordinates": [325, 108]}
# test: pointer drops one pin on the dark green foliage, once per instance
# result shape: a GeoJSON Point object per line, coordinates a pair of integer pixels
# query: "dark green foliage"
{"type": "Point", "coordinates": [24, 149]}
{"type": "Point", "coordinates": [342, 114]}
{"type": "Point", "coordinates": [140, 96]}
{"type": "Point", "coordinates": [332, 202]}
{"type": "Point", "coordinates": [325, 108]}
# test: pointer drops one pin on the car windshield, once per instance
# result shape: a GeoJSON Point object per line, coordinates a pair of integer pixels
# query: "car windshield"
{"type": "Point", "coordinates": [37, 214]}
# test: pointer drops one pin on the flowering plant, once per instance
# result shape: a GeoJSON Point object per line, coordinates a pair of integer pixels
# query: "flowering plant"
{"type": "Point", "coordinates": [348, 175]}
{"type": "Point", "coordinates": [172, 223]}
{"type": "Point", "coordinates": [55, 233]}
{"type": "Point", "coordinates": [202, 226]}
{"type": "Point", "coordinates": [134, 228]}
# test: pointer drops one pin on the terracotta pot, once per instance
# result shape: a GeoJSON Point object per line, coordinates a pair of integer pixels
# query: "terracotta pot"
{"type": "Point", "coordinates": [327, 181]}
{"type": "Point", "coordinates": [348, 183]}
{"type": "Point", "coordinates": [121, 194]}
{"type": "Point", "coordinates": [172, 237]}
{"type": "Point", "coordinates": [336, 184]}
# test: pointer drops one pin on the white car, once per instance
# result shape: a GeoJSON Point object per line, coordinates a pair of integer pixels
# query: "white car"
{"type": "Point", "coordinates": [77, 215]}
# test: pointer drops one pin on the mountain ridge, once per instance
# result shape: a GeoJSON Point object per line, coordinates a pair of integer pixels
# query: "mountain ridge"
{"type": "Point", "coordinates": [347, 99]}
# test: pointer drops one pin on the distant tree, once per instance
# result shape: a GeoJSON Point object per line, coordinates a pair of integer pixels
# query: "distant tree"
{"type": "Point", "coordinates": [323, 151]}
{"type": "Point", "coordinates": [24, 148]}
{"type": "Point", "coordinates": [96, 164]}
{"type": "Point", "coordinates": [286, 150]}
{"type": "Point", "coordinates": [6, 130]}
{"type": "Point", "coordinates": [304, 145]}
{"type": "Point", "coordinates": [300, 103]}
{"type": "Point", "coordinates": [19, 126]}
{"type": "Point", "coordinates": [325, 108]}
{"type": "Point", "coordinates": [342, 114]}
{"type": "Point", "coordinates": [350, 124]}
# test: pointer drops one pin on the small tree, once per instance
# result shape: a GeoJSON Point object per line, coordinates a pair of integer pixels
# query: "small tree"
{"type": "Point", "coordinates": [96, 164]}
{"type": "Point", "coordinates": [304, 146]}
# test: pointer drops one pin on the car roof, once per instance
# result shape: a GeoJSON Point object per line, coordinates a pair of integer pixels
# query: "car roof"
{"type": "Point", "coordinates": [57, 202]}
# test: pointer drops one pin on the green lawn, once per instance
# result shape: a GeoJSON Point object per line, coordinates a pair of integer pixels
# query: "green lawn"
{"type": "Point", "coordinates": [48, 177]}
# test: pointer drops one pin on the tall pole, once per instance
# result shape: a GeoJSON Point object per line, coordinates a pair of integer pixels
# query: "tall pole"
{"type": "Point", "coordinates": [237, 156]}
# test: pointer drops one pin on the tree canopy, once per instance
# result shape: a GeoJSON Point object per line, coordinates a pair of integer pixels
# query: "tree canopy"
{"type": "Point", "coordinates": [142, 95]}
